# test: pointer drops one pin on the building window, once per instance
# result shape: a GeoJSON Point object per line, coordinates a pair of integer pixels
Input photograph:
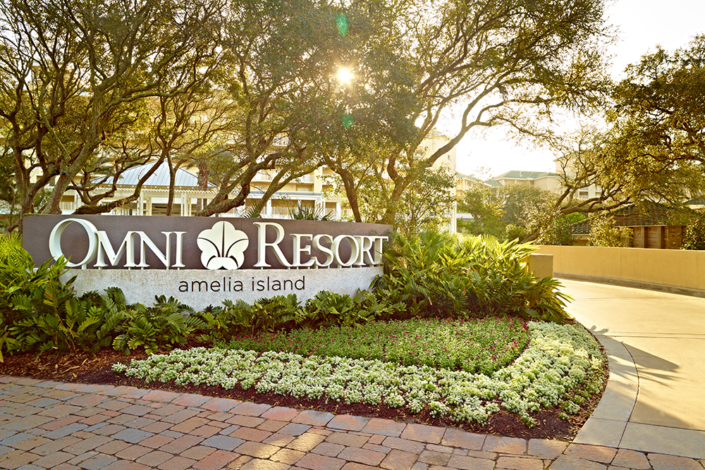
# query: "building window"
{"type": "Point", "coordinates": [583, 194]}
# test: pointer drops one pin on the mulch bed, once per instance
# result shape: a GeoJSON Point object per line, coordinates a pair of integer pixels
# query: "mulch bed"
{"type": "Point", "coordinates": [82, 367]}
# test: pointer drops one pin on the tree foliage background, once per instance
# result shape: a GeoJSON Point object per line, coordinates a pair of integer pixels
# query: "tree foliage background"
{"type": "Point", "coordinates": [89, 89]}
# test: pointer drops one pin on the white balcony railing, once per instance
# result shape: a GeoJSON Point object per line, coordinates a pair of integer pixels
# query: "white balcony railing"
{"type": "Point", "coordinates": [304, 179]}
{"type": "Point", "coordinates": [263, 175]}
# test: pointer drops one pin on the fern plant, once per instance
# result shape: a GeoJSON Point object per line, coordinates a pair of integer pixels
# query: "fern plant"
{"type": "Point", "coordinates": [168, 323]}
{"type": "Point", "coordinates": [436, 274]}
{"type": "Point", "coordinates": [53, 319]}
{"type": "Point", "coordinates": [333, 309]}
{"type": "Point", "coordinates": [309, 213]}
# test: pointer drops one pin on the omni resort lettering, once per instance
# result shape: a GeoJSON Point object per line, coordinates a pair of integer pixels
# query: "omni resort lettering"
{"type": "Point", "coordinates": [222, 247]}
{"type": "Point", "coordinates": [203, 261]}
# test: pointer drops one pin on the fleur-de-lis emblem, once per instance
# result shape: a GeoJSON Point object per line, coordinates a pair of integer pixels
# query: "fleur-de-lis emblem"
{"type": "Point", "coordinates": [222, 246]}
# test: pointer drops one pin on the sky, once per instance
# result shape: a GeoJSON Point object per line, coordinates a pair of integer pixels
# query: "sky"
{"type": "Point", "coordinates": [642, 25]}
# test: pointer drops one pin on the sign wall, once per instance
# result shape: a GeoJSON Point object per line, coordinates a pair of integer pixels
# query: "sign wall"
{"type": "Point", "coordinates": [202, 261]}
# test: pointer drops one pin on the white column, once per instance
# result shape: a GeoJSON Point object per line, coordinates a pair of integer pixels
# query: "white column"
{"type": "Point", "coordinates": [183, 204]}
{"type": "Point", "coordinates": [140, 205]}
{"type": "Point", "coordinates": [268, 210]}
{"type": "Point", "coordinates": [338, 215]}
{"type": "Point", "coordinates": [149, 206]}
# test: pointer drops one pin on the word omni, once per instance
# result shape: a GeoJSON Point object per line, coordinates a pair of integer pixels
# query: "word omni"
{"type": "Point", "coordinates": [222, 247]}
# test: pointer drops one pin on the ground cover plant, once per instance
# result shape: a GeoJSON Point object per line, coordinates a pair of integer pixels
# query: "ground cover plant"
{"type": "Point", "coordinates": [560, 363]}
{"type": "Point", "coordinates": [474, 345]}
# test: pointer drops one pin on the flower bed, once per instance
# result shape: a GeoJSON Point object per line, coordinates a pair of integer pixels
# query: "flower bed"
{"type": "Point", "coordinates": [478, 345]}
{"type": "Point", "coordinates": [562, 365]}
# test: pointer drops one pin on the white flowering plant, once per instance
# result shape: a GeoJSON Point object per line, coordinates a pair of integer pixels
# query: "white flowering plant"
{"type": "Point", "coordinates": [560, 364]}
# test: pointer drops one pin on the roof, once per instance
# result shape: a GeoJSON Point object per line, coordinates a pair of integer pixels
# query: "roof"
{"type": "Point", "coordinates": [285, 194]}
{"type": "Point", "coordinates": [524, 175]}
{"type": "Point", "coordinates": [160, 178]}
{"type": "Point", "coordinates": [696, 202]}
{"type": "Point", "coordinates": [471, 178]}
{"type": "Point", "coordinates": [644, 215]}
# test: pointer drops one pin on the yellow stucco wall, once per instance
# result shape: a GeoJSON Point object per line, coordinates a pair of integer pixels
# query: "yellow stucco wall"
{"type": "Point", "coordinates": [675, 268]}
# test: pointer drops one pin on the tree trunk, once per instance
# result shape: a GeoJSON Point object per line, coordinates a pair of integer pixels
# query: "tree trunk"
{"type": "Point", "coordinates": [223, 204]}
{"type": "Point", "coordinates": [172, 183]}
{"type": "Point", "coordinates": [351, 193]}
{"type": "Point", "coordinates": [390, 214]}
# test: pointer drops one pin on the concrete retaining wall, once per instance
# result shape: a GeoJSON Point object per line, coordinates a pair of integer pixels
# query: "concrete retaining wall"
{"type": "Point", "coordinates": [668, 270]}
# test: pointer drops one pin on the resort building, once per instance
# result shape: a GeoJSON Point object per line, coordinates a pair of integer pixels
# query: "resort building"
{"type": "Point", "coordinates": [539, 179]}
{"type": "Point", "coordinates": [313, 191]}
{"type": "Point", "coordinates": [306, 191]}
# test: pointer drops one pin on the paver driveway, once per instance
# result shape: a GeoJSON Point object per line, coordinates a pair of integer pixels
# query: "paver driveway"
{"type": "Point", "coordinates": [67, 426]}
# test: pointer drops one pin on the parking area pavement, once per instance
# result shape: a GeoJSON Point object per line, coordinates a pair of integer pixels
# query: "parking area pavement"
{"type": "Point", "coordinates": [58, 425]}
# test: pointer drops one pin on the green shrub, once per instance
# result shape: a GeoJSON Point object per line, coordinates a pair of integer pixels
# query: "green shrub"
{"type": "Point", "coordinates": [329, 308]}
{"type": "Point", "coordinates": [34, 304]}
{"type": "Point", "coordinates": [285, 312]}
{"type": "Point", "coordinates": [425, 273]}
{"type": "Point", "coordinates": [309, 213]}
{"type": "Point", "coordinates": [516, 232]}
{"type": "Point", "coordinates": [604, 233]}
{"type": "Point", "coordinates": [53, 319]}
{"type": "Point", "coordinates": [437, 274]}
{"type": "Point", "coordinates": [41, 313]}
{"type": "Point", "coordinates": [10, 243]}
{"type": "Point", "coordinates": [166, 324]}
{"type": "Point", "coordinates": [557, 231]}
{"type": "Point", "coordinates": [19, 276]}
{"type": "Point", "coordinates": [238, 318]}
{"type": "Point", "coordinates": [694, 238]}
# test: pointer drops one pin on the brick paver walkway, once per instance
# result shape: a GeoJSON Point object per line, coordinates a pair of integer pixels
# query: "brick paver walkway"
{"type": "Point", "coordinates": [66, 426]}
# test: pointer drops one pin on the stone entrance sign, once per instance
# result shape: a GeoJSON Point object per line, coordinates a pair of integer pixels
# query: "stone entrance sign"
{"type": "Point", "coordinates": [203, 261]}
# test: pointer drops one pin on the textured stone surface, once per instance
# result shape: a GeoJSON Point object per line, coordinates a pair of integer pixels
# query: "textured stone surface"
{"type": "Point", "coordinates": [399, 460]}
{"type": "Point", "coordinates": [386, 427]}
{"type": "Point", "coordinates": [166, 282]}
{"type": "Point", "coordinates": [423, 433]}
{"type": "Point", "coordinates": [504, 445]}
{"type": "Point", "coordinates": [470, 463]}
{"type": "Point", "coordinates": [672, 462]}
{"type": "Point", "coordinates": [518, 463]}
{"type": "Point", "coordinates": [312, 418]}
{"type": "Point", "coordinates": [594, 453]}
{"type": "Point", "coordinates": [348, 422]}
{"type": "Point", "coordinates": [631, 459]}
{"type": "Point", "coordinates": [565, 462]}
{"type": "Point", "coordinates": [347, 439]}
{"type": "Point", "coordinates": [546, 449]}
{"type": "Point", "coordinates": [465, 440]}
